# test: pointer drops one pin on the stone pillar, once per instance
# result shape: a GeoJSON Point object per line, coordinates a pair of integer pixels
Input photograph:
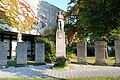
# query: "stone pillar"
{"type": "Point", "coordinates": [82, 53]}
{"type": "Point", "coordinates": [117, 53]}
{"type": "Point", "coordinates": [60, 44]}
{"type": "Point", "coordinates": [3, 55]}
{"type": "Point", "coordinates": [21, 59]}
{"type": "Point", "coordinates": [100, 47]}
{"type": "Point", "coordinates": [39, 53]}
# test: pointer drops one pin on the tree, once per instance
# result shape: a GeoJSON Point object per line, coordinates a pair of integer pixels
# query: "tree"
{"type": "Point", "coordinates": [18, 14]}
{"type": "Point", "coordinates": [98, 17]}
{"type": "Point", "coordinates": [77, 31]}
{"type": "Point", "coordinates": [15, 9]}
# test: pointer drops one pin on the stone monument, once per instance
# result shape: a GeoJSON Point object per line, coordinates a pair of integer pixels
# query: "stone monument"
{"type": "Point", "coordinates": [3, 55]}
{"type": "Point", "coordinates": [60, 21]}
{"type": "Point", "coordinates": [82, 53]}
{"type": "Point", "coordinates": [39, 53]}
{"type": "Point", "coordinates": [21, 59]}
{"type": "Point", "coordinates": [100, 47]}
{"type": "Point", "coordinates": [117, 53]}
{"type": "Point", "coordinates": [60, 37]}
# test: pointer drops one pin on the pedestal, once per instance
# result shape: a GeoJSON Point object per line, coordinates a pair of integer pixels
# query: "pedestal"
{"type": "Point", "coordinates": [60, 44]}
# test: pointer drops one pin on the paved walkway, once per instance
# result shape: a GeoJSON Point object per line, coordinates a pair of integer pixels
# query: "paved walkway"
{"type": "Point", "coordinates": [44, 71]}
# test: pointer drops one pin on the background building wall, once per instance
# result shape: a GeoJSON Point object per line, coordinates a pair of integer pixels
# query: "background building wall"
{"type": "Point", "coordinates": [45, 11]}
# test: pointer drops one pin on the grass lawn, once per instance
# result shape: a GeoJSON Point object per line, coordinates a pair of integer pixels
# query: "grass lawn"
{"type": "Point", "coordinates": [91, 60]}
{"type": "Point", "coordinates": [13, 63]}
{"type": "Point", "coordinates": [109, 61]}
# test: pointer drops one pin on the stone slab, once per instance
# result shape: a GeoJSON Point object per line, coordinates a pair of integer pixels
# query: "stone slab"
{"type": "Point", "coordinates": [100, 53]}
{"type": "Point", "coordinates": [3, 55]}
{"type": "Point", "coordinates": [21, 59]}
{"type": "Point", "coordinates": [39, 53]}
{"type": "Point", "coordinates": [82, 53]}
{"type": "Point", "coordinates": [117, 53]}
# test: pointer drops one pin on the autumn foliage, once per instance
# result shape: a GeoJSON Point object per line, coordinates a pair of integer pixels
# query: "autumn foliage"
{"type": "Point", "coordinates": [11, 12]}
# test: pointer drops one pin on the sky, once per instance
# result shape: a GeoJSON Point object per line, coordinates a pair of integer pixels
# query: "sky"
{"type": "Point", "coordinates": [62, 4]}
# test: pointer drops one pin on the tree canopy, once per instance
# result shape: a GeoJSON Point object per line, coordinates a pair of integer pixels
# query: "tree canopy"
{"type": "Point", "coordinates": [99, 18]}
{"type": "Point", "coordinates": [16, 12]}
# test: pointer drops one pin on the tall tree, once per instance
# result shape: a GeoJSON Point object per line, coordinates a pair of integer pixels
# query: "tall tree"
{"type": "Point", "coordinates": [98, 17]}
{"type": "Point", "coordinates": [15, 11]}
{"type": "Point", "coordinates": [18, 14]}
{"type": "Point", "coordinates": [77, 31]}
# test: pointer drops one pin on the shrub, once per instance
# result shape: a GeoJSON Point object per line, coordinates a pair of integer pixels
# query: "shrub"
{"type": "Point", "coordinates": [71, 50]}
{"type": "Point", "coordinates": [90, 51]}
{"type": "Point", "coordinates": [60, 61]}
{"type": "Point", "coordinates": [49, 48]}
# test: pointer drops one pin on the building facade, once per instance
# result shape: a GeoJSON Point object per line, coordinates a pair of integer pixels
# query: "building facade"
{"type": "Point", "coordinates": [46, 12]}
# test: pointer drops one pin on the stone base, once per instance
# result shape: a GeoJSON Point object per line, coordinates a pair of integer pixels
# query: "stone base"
{"type": "Point", "coordinates": [3, 66]}
{"type": "Point", "coordinates": [37, 64]}
{"type": "Point", "coordinates": [117, 64]}
{"type": "Point", "coordinates": [100, 64]}
{"type": "Point", "coordinates": [21, 65]}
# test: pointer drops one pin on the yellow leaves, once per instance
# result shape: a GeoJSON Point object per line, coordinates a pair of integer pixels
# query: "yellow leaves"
{"type": "Point", "coordinates": [10, 7]}
{"type": "Point", "coordinates": [12, 10]}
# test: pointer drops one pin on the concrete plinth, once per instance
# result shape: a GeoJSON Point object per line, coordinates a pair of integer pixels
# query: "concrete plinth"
{"type": "Point", "coordinates": [82, 53]}
{"type": "Point", "coordinates": [3, 55]}
{"type": "Point", "coordinates": [117, 53]}
{"type": "Point", "coordinates": [21, 59]}
{"type": "Point", "coordinates": [100, 47]}
{"type": "Point", "coordinates": [39, 53]}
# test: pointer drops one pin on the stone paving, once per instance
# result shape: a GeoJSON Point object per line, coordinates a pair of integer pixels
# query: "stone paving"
{"type": "Point", "coordinates": [44, 71]}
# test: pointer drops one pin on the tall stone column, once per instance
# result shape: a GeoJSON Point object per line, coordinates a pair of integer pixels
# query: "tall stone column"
{"type": "Point", "coordinates": [60, 44]}
{"type": "Point", "coordinates": [21, 59]}
{"type": "Point", "coordinates": [117, 53]}
{"type": "Point", "coordinates": [82, 53]}
{"type": "Point", "coordinates": [39, 53]}
{"type": "Point", "coordinates": [3, 55]}
{"type": "Point", "coordinates": [100, 47]}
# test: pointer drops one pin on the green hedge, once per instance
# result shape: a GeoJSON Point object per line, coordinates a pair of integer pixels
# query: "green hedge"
{"type": "Point", "coordinates": [49, 48]}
